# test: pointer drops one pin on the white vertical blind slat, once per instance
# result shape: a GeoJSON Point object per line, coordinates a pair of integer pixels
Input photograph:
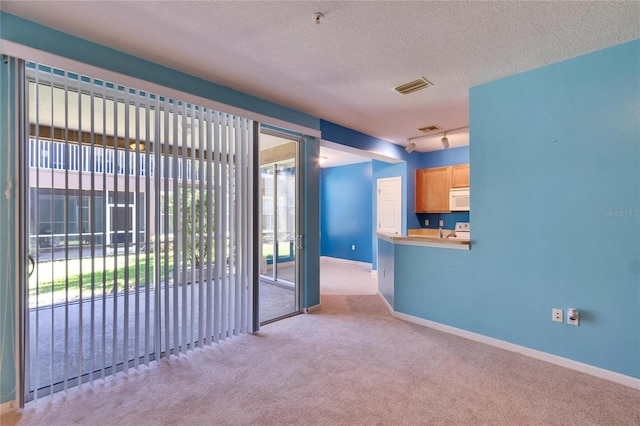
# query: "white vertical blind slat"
{"type": "Point", "coordinates": [66, 227]}
{"type": "Point", "coordinates": [218, 232]}
{"type": "Point", "coordinates": [209, 231]}
{"type": "Point", "coordinates": [125, 233]}
{"type": "Point", "coordinates": [203, 218]}
{"type": "Point", "coordinates": [105, 203]}
{"type": "Point", "coordinates": [79, 214]}
{"type": "Point", "coordinates": [182, 347]}
{"type": "Point", "coordinates": [92, 219]}
{"type": "Point", "coordinates": [138, 158]}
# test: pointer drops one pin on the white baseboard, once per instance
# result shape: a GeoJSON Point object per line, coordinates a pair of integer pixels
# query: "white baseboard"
{"type": "Point", "coordinates": [386, 303]}
{"type": "Point", "coordinates": [8, 407]}
{"type": "Point", "coordinates": [612, 376]}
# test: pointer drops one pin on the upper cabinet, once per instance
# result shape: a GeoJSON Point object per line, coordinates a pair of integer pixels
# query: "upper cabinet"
{"type": "Point", "coordinates": [460, 176]}
{"type": "Point", "coordinates": [432, 190]}
{"type": "Point", "coordinates": [433, 186]}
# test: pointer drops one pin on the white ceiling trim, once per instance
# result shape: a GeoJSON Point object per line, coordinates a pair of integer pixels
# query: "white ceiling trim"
{"type": "Point", "coordinates": [27, 53]}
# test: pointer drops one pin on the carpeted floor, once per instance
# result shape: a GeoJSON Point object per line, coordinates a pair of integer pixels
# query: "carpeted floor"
{"type": "Point", "coordinates": [349, 364]}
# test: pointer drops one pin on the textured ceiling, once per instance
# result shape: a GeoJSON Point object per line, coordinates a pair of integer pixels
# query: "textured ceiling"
{"type": "Point", "coordinates": [344, 69]}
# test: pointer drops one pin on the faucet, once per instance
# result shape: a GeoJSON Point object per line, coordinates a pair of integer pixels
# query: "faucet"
{"type": "Point", "coordinates": [451, 234]}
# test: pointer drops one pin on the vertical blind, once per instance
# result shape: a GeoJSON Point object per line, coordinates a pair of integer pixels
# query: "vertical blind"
{"type": "Point", "coordinates": [140, 224]}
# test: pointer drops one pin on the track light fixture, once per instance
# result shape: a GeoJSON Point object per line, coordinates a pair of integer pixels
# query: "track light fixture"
{"type": "Point", "coordinates": [410, 147]}
{"type": "Point", "coordinates": [444, 141]}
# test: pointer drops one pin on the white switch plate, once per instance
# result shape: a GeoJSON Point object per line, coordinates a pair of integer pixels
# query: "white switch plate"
{"type": "Point", "coordinates": [426, 222]}
{"type": "Point", "coordinates": [556, 315]}
{"type": "Point", "coordinates": [441, 223]}
{"type": "Point", "coordinates": [353, 246]}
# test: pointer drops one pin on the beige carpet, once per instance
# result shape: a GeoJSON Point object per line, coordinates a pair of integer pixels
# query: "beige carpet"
{"type": "Point", "coordinates": [349, 364]}
{"type": "Point", "coordinates": [346, 277]}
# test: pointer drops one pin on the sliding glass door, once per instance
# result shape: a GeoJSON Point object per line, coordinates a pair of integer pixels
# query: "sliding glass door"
{"type": "Point", "coordinates": [139, 227]}
{"type": "Point", "coordinates": [279, 267]}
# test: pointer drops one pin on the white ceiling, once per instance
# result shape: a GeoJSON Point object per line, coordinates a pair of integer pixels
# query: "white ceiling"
{"type": "Point", "coordinates": [344, 69]}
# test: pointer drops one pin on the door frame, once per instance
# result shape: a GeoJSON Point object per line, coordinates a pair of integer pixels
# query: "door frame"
{"type": "Point", "coordinates": [299, 238]}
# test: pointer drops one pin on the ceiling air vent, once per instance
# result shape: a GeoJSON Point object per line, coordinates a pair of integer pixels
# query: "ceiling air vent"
{"type": "Point", "coordinates": [413, 86]}
{"type": "Point", "coordinates": [429, 129]}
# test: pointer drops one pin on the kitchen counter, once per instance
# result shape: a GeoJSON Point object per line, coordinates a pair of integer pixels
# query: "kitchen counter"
{"type": "Point", "coordinates": [425, 238]}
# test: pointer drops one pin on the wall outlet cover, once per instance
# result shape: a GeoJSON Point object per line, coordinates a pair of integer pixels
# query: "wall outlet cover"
{"type": "Point", "coordinates": [573, 316]}
{"type": "Point", "coordinates": [556, 315]}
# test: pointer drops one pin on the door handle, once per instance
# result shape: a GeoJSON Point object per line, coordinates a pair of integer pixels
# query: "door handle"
{"type": "Point", "coordinates": [299, 242]}
{"type": "Point", "coordinates": [32, 262]}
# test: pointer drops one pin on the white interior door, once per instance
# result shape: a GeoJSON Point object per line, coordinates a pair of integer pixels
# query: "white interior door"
{"type": "Point", "coordinates": [389, 205]}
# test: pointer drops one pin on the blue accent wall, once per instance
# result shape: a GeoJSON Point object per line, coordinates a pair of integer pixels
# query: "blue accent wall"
{"type": "Point", "coordinates": [345, 136]}
{"type": "Point", "coordinates": [386, 273]}
{"type": "Point", "coordinates": [555, 155]}
{"type": "Point", "coordinates": [445, 157]}
{"type": "Point", "coordinates": [345, 212]}
{"type": "Point", "coordinates": [449, 220]}
{"type": "Point", "coordinates": [405, 168]}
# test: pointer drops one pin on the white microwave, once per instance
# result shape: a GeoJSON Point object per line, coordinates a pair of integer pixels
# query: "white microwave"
{"type": "Point", "coordinates": [459, 199]}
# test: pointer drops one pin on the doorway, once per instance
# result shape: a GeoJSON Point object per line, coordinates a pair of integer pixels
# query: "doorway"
{"type": "Point", "coordinates": [279, 227]}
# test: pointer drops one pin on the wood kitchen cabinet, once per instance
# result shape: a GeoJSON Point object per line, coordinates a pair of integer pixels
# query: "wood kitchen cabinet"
{"type": "Point", "coordinates": [432, 190]}
{"type": "Point", "coordinates": [433, 185]}
{"type": "Point", "coordinates": [460, 176]}
{"type": "Point", "coordinates": [420, 192]}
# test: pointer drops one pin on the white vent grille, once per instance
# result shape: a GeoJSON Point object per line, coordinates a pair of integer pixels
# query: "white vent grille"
{"type": "Point", "coordinates": [413, 86]}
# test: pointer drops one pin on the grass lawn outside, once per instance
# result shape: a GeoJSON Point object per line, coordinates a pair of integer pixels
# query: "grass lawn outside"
{"type": "Point", "coordinates": [60, 280]}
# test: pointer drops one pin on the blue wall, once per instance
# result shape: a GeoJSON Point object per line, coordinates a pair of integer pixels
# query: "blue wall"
{"type": "Point", "coordinates": [345, 218]}
{"type": "Point", "coordinates": [555, 155]}
{"type": "Point", "coordinates": [444, 157]}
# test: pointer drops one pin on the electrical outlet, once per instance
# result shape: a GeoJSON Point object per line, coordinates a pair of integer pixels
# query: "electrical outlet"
{"type": "Point", "coordinates": [441, 223]}
{"type": "Point", "coordinates": [426, 222]}
{"type": "Point", "coordinates": [353, 247]}
{"type": "Point", "coordinates": [573, 317]}
{"type": "Point", "coordinates": [556, 315]}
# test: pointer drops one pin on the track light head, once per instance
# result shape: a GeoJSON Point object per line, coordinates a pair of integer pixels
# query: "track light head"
{"type": "Point", "coordinates": [444, 141]}
{"type": "Point", "coordinates": [410, 147]}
